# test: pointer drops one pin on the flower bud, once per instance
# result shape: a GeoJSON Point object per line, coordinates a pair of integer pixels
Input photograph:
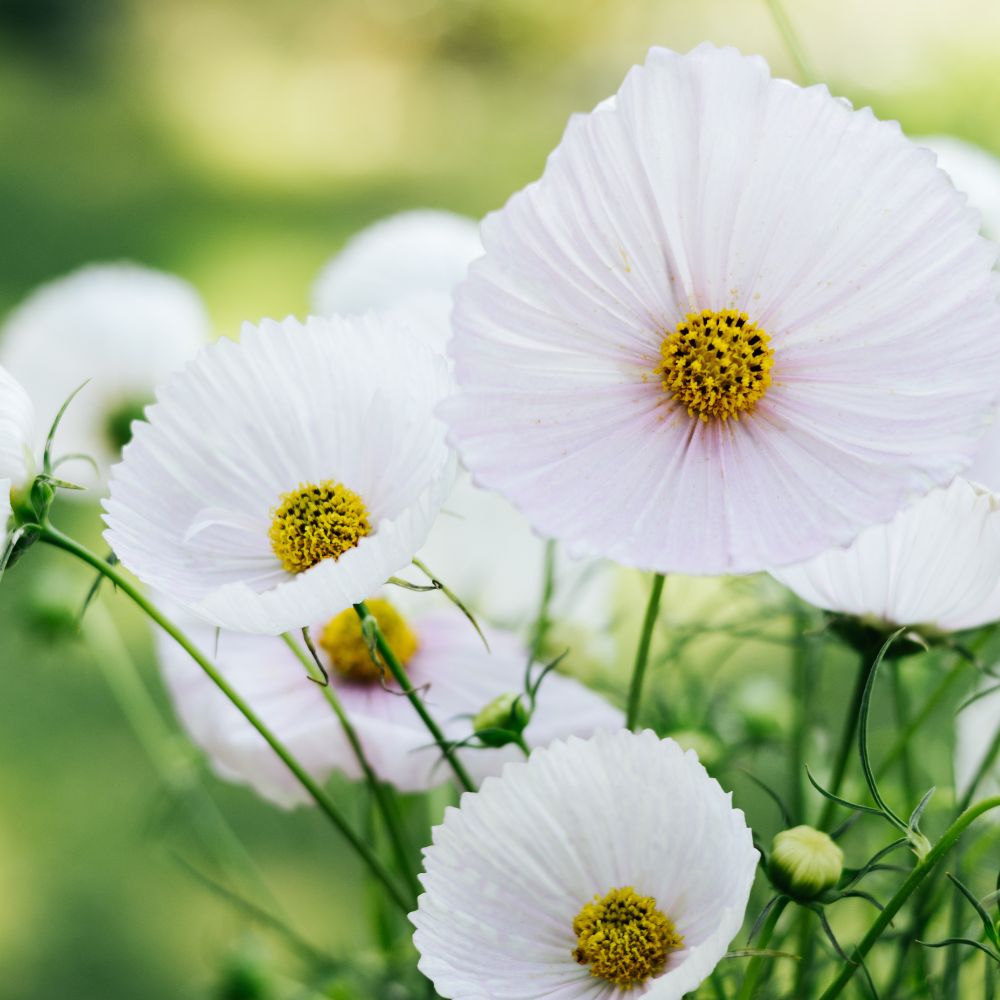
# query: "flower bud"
{"type": "Point", "coordinates": [805, 862]}
{"type": "Point", "coordinates": [502, 721]}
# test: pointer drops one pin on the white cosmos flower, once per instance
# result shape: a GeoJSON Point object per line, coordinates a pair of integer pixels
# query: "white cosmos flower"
{"type": "Point", "coordinates": [510, 875]}
{"type": "Point", "coordinates": [411, 262]}
{"type": "Point", "coordinates": [286, 475]}
{"type": "Point", "coordinates": [710, 244]}
{"type": "Point", "coordinates": [17, 438]}
{"type": "Point", "coordinates": [977, 726]}
{"type": "Point", "coordinates": [973, 171]}
{"type": "Point", "coordinates": [123, 327]}
{"type": "Point", "coordinates": [443, 652]}
{"type": "Point", "coordinates": [937, 563]}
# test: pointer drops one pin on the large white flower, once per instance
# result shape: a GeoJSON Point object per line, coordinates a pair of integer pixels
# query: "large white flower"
{"type": "Point", "coordinates": [626, 828]}
{"type": "Point", "coordinates": [285, 476]}
{"type": "Point", "coordinates": [411, 262]}
{"type": "Point", "coordinates": [936, 563]}
{"type": "Point", "coordinates": [17, 439]}
{"type": "Point", "coordinates": [973, 171]}
{"type": "Point", "coordinates": [123, 327]}
{"type": "Point", "coordinates": [443, 654]}
{"type": "Point", "coordinates": [713, 244]}
{"type": "Point", "coordinates": [976, 728]}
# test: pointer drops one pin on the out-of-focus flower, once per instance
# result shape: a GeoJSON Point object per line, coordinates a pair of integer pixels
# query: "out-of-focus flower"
{"type": "Point", "coordinates": [123, 327]}
{"type": "Point", "coordinates": [711, 337]}
{"type": "Point", "coordinates": [805, 862]}
{"type": "Point", "coordinates": [409, 262]}
{"type": "Point", "coordinates": [17, 440]}
{"type": "Point", "coordinates": [937, 564]}
{"type": "Point", "coordinates": [442, 652]}
{"type": "Point", "coordinates": [974, 172]}
{"type": "Point", "coordinates": [598, 867]}
{"type": "Point", "coordinates": [977, 726]}
{"type": "Point", "coordinates": [287, 476]}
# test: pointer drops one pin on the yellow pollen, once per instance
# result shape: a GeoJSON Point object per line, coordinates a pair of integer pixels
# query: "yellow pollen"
{"type": "Point", "coordinates": [345, 644]}
{"type": "Point", "coordinates": [314, 523]}
{"type": "Point", "coordinates": [624, 938]}
{"type": "Point", "coordinates": [717, 364]}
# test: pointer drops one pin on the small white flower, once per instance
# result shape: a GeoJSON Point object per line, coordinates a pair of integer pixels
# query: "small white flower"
{"type": "Point", "coordinates": [974, 172]}
{"type": "Point", "coordinates": [286, 475]}
{"type": "Point", "coordinates": [123, 327]}
{"type": "Point", "coordinates": [624, 822]}
{"type": "Point", "coordinates": [976, 728]}
{"type": "Point", "coordinates": [937, 563]}
{"type": "Point", "coordinates": [441, 650]}
{"type": "Point", "coordinates": [411, 262]}
{"type": "Point", "coordinates": [17, 440]}
{"type": "Point", "coordinates": [711, 337]}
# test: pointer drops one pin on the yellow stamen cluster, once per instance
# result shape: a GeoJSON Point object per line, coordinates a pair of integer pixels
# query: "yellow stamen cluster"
{"type": "Point", "coordinates": [717, 364]}
{"type": "Point", "coordinates": [317, 522]}
{"type": "Point", "coordinates": [344, 642]}
{"type": "Point", "coordinates": [624, 938]}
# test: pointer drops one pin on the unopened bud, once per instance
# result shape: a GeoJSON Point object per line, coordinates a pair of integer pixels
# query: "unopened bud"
{"type": "Point", "coordinates": [805, 862]}
{"type": "Point", "coordinates": [502, 721]}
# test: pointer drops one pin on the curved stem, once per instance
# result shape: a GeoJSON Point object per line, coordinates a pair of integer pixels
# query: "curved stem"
{"type": "Point", "coordinates": [757, 962]}
{"type": "Point", "coordinates": [380, 792]}
{"type": "Point", "coordinates": [56, 538]}
{"type": "Point", "coordinates": [916, 877]}
{"type": "Point", "coordinates": [642, 652]}
{"type": "Point", "coordinates": [402, 678]}
{"type": "Point", "coordinates": [542, 620]}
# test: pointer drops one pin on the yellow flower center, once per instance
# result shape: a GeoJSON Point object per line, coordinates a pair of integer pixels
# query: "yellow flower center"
{"type": "Point", "coordinates": [344, 642]}
{"type": "Point", "coordinates": [314, 523]}
{"type": "Point", "coordinates": [717, 364]}
{"type": "Point", "coordinates": [624, 938]}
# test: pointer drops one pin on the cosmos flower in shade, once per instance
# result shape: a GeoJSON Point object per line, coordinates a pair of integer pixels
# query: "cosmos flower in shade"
{"type": "Point", "coordinates": [711, 337]}
{"type": "Point", "coordinates": [976, 727]}
{"type": "Point", "coordinates": [598, 869]}
{"type": "Point", "coordinates": [123, 327]}
{"type": "Point", "coordinates": [974, 172]}
{"type": "Point", "coordinates": [17, 438]}
{"type": "Point", "coordinates": [286, 476]}
{"type": "Point", "coordinates": [411, 262]}
{"type": "Point", "coordinates": [937, 564]}
{"type": "Point", "coordinates": [441, 651]}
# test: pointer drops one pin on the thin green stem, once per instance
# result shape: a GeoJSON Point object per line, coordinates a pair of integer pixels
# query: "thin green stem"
{"type": "Point", "coordinates": [542, 620]}
{"type": "Point", "coordinates": [802, 670]}
{"type": "Point", "coordinates": [756, 965]}
{"type": "Point", "coordinates": [847, 739]}
{"type": "Point", "coordinates": [985, 766]}
{"type": "Point", "coordinates": [382, 795]}
{"type": "Point", "coordinates": [368, 620]}
{"type": "Point", "coordinates": [791, 40]}
{"type": "Point", "coordinates": [922, 869]}
{"type": "Point", "coordinates": [326, 805]}
{"type": "Point", "coordinates": [642, 652]}
{"type": "Point", "coordinates": [902, 709]}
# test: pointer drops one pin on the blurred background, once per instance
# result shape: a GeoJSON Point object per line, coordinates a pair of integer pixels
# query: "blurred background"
{"type": "Point", "coordinates": [238, 143]}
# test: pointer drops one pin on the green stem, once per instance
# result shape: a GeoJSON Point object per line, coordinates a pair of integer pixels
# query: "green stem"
{"type": "Point", "coordinates": [902, 721]}
{"type": "Point", "coordinates": [326, 805]}
{"type": "Point", "coordinates": [402, 678]}
{"type": "Point", "coordinates": [847, 739]}
{"type": "Point", "coordinates": [381, 793]}
{"type": "Point", "coordinates": [542, 620]}
{"type": "Point", "coordinates": [756, 965]}
{"type": "Point", "coordinates": [985, 766]}
{"type": "Point", "coordinates": [802, 670]}
{"type": "Point", "coordinates": [642, 652]}
{"type": "Point", "coordinates": [791, 40]}
{"type": "Point", "coordinates": [916, 877]}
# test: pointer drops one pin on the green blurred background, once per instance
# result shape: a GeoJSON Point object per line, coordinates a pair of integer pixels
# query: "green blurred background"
{"type": "Point", "coordinates": [238, 143]}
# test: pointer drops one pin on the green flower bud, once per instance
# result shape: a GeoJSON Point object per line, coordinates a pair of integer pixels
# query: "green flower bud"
{"type": "Point", "coordinates": [502, 721]}
{"type": "Point", "coordinates": [805, 862]}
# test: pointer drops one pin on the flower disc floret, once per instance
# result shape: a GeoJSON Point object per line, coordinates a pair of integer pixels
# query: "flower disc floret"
{"type": "Point", "coordinates": [316, 522]}
{"type": "Point", "coordinates": [349, 652]}
{"type": "Point", "coordinates": [717, 364]}
{"type": "Point", "coordinates": [624, 938]}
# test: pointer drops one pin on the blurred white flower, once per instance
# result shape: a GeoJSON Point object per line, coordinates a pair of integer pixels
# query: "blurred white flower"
{"type": "Point", "coordinates": [285, 476]}
{"type": "Point", "coordinates": [598, 869]}
{"type": "Point", "coordinates": [123, 327]}
{"type": "Point", "coordinates": [411, 261]}
{"type": "Point", "coordinates": [17, 441]}
{"type": "Point", "coordinates": [712, 244]}
{"type": "Point", "coordinates": [974, 172]}
{"type": "Point", "coordinates": [976, 727]}
{"type": "Point", "coordinates": [937, 563]}
{"type": "Point", "coordinates": [442, 652]}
